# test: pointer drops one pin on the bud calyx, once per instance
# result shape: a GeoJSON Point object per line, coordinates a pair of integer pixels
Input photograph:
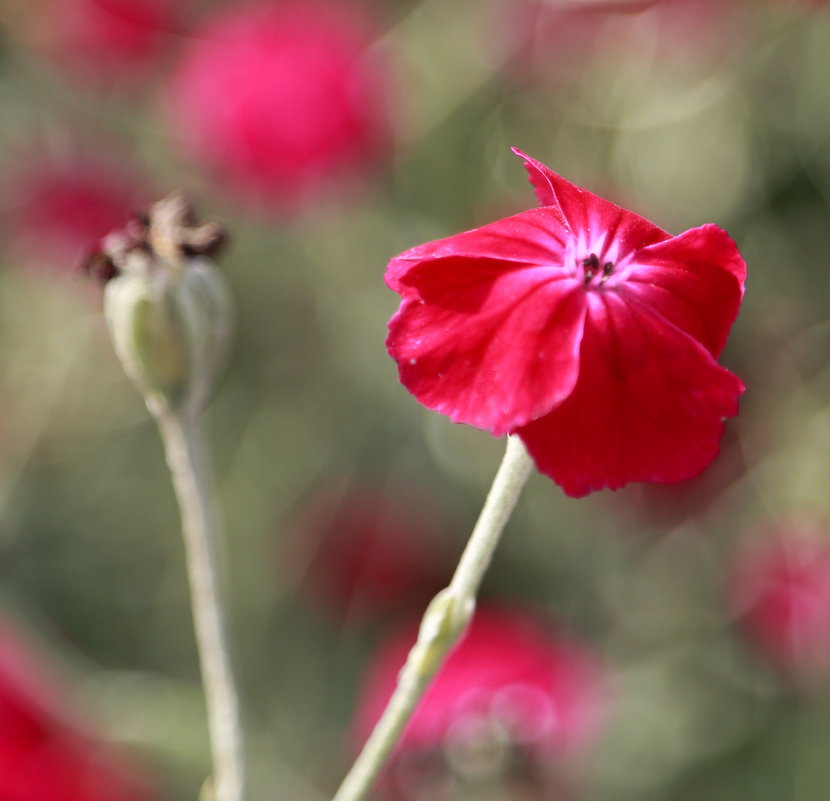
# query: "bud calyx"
{"type": "Point", "coordinates": [166, 304]}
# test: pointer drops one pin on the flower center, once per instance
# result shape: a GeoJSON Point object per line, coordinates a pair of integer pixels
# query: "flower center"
{"type": "Point", "coordinates": [595, 273]}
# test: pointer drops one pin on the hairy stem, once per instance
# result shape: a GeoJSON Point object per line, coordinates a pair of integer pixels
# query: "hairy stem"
{"type": "Point", "coordinates": [443, 623]}
{"type": "Point", "coordinates": [186, 457]}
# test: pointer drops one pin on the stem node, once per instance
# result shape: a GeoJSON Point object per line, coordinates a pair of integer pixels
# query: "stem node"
{"type": "Point", "coordinates": [443, 623]}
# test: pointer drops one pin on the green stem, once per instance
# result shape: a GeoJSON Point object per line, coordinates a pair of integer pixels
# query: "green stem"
{"type": "Point", "coordinates": [185, 452]}
{"type": "Point", "coordinates": [443, 622]}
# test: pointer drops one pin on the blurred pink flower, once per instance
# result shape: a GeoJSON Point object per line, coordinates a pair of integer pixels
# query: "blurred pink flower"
{"type": "Point", "coordinates": [556, 40]}
{"type": "Point", "coordinates": [282, 99]}
{"type": "Point", "coordinates": [818, 4]}
{"type": "Point", "coordinates": [369, 549]}
{"type": "Point", "coordinates": [44, 756]}
{"type": "Point", "coordinates": [54, 212]}
{"type": "Point", "coordinates": [780, 588]}
{"type": "Point", "coordinates": [105, 42]}
{"type": "Point", "coordinates": [511, 685]}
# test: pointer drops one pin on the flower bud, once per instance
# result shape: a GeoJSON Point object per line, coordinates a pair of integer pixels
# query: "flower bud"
{"type": "Point", "coordinates": [166, 304]}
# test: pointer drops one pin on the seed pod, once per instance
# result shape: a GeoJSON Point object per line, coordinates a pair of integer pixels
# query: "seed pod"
{"type": "Point", "coordinates": [166, 305]}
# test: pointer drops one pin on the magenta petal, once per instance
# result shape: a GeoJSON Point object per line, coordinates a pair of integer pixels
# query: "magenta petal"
{"type": "Point", "coordinates": [695, 280]}
{"type": "Point", "coordinates": [582, 327]}
{"type": "Point", "coordinates": [648, 405]}
{"type": "Point", "coordinates": [544, 180]}
{"type": "Point", "coordinates": [496, 352]}
{"type": "Point", "coordinates": [587, 215]}
{"type": "Point", "coordinates": [533, 237]}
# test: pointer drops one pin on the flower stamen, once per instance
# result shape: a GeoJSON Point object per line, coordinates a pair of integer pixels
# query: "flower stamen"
{"type": "Point", "coordinates": [591, 266]}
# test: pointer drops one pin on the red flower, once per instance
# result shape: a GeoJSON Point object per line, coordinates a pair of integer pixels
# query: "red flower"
{"type": "Point", "coordinates": [781, 590]}
{"type": "Point", "coordinates": [583, 328]}
{"type": "Point", "coordinates": [368, 549]}
{"type": "Point", "coordinates": [281, 99]}
{"type": "Point", "coordinates": [102, 41]}
{"type": "Point", "coordinates": [557, 41]}
{"type": "Point", "coordinates": [44, 756]}
{"type": "Point", "coordinates": [58, 211]}
{"type": "Point", "coordinates": [511, 683]}
{"type": "Point", "coordinates": [814, 3]}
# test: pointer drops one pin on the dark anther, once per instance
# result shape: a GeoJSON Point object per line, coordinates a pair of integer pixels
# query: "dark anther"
{"type": "Point", "coordinates": [142, 218]}
{"type": "Point", "coordinates": [170, 223]}
{"type": "Point", "coordinates": [204, 240]}
{"type": "Point", "coordinates": [97, 265]}
{"type": "Point", "coordinates": [607, 268]}
{"type": "Point", "coordinates": [591, 265]}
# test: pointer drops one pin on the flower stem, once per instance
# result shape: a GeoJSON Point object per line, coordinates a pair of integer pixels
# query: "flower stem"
{"type": "Point", "coordinates": [443, 623]}
{"type": "Point", "coordinates": [184, 448]}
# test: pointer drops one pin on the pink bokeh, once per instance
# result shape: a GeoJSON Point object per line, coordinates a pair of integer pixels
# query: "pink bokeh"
{"type": "Point", "coordinates": [368, 550]}
{"type": "Point", "coordinates": [282, 101]}
{"type": "Point", "coordinates": [106, 43]}
{"type": "Point", "coordinates": [555, 41]}
{"type": "Point", "coordinates": [45, 755]}
{"type": "Point", "coordinates": [511, 678]}
{"type": "Point", "coordinates": [55, 211]}
{"type": "Point", "coordinates": [780, 589]}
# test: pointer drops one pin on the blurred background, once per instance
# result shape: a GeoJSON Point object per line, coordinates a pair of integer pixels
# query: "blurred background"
{"type": "Point", "coordinates": [678, 637]}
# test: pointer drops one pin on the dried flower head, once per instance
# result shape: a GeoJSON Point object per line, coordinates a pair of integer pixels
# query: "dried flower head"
{"type": "Point", "coordinates": [166, 304]}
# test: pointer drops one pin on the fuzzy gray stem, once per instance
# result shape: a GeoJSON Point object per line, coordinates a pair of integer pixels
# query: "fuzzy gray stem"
{"type": "Point", "coordinates": [185, 452]}
{"type": "Point", "coordinates": [443, 623]}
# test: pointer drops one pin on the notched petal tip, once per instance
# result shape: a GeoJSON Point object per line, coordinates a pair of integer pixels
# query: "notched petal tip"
{"type": "Point", "coordinates": [542, 179]}
{"type": "Point", "coordinates": [582, 213]}
{"type": "Point", "coordinates": [395, 271]}
{"type": "Point", "coordinates": [707, 244]}
{"type": "Point", "coordinates": [694, 280]}
{"type": "Point", "coordinates": [723, 251]}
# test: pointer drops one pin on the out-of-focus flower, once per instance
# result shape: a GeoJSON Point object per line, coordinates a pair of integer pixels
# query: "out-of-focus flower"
{"type": "Point", "coordinates": [44, 755]}
{"type": "Point", "coordinates": [580, 326]}
{"type": "Point", "coordinates": [105, 42]}
{"type": "Point", "coordinates": [780, 588]}
{"type": "Point", "coordinates": [805, 4]}
{"type": "Point", "coordinates": [282, 100]}
{"type": "Point", "coordinates": [556, 40]}
{"type": "Point", "coordinates": [513, 704]}
{"type": "Point", "coordinates": [54, 212]}
{"type": "Point", "coordinates": [368, 550]}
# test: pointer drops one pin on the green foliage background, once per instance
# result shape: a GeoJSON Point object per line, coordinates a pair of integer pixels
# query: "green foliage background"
{"type": "Point", "coordinates": [90, 554]}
